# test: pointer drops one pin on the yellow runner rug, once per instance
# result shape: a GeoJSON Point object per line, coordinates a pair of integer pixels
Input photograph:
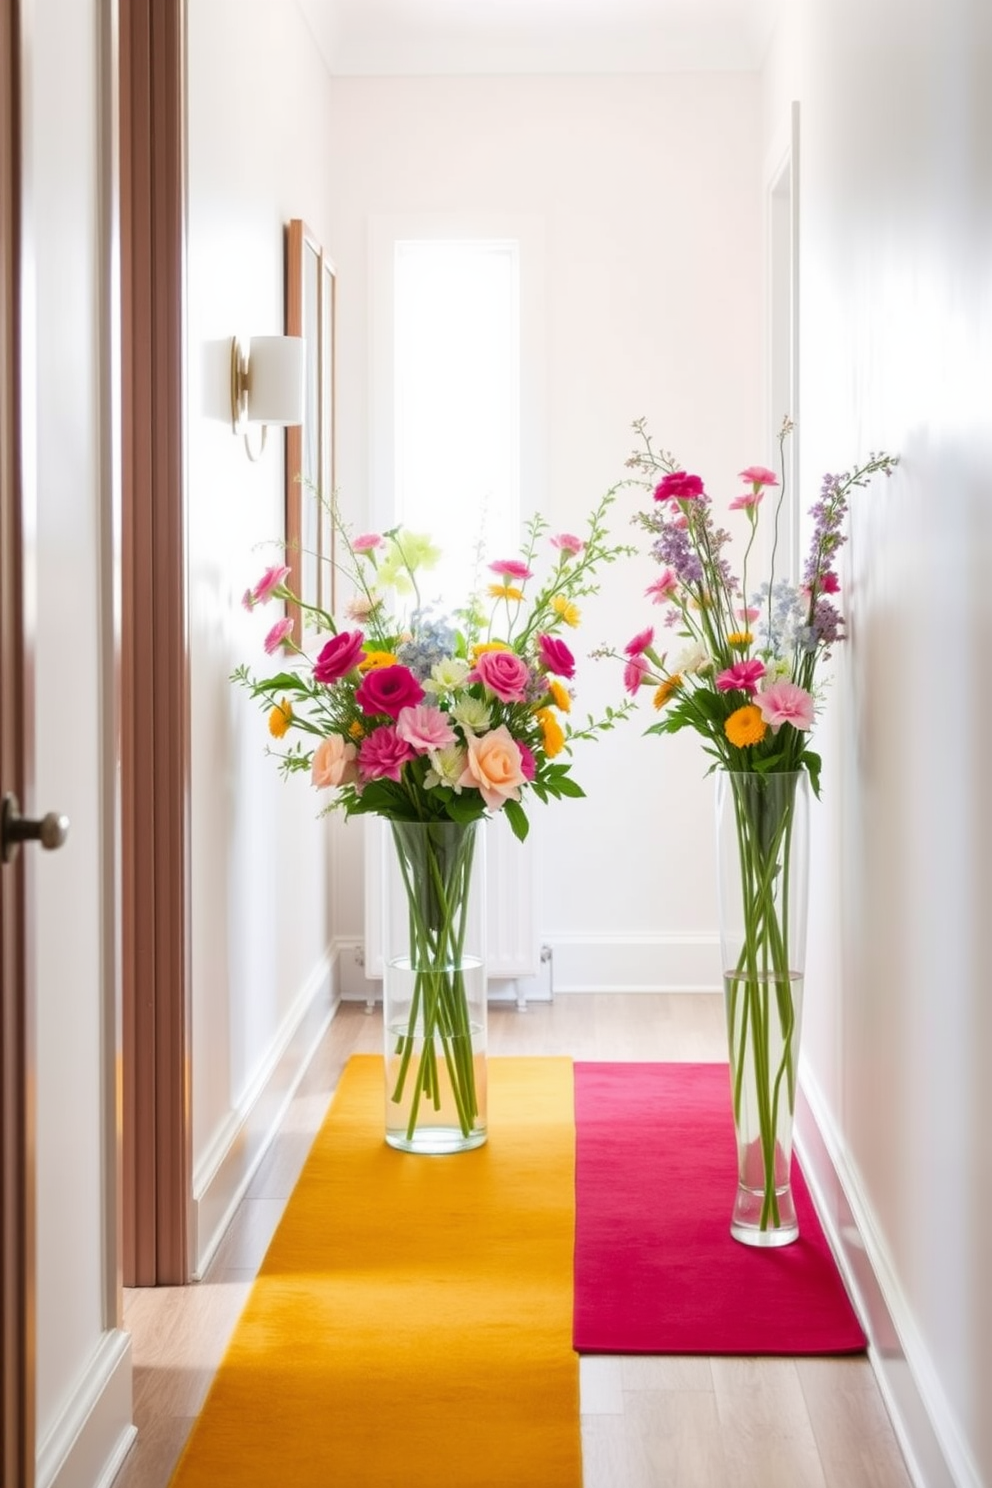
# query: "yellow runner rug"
{"type": "Point", "coordinates": [411, 1324]}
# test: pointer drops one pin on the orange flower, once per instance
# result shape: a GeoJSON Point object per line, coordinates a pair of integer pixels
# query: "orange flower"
{"type": "Point", "coordinates": [560, 694]}
{"type": "Point", "coordinates": [551, 732]}
{"type": "Point", "coordinates": [745, 727]}
{"type": "Point", "coordinates": [671, 684]}
{"type": "Point", "coordinates": [280, 718]}
{"type": "Point", "coordinates": [373, 660]}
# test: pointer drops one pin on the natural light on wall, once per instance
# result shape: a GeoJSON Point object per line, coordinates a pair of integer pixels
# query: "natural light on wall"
{"type": "Point", "coordinates": [456, 368]}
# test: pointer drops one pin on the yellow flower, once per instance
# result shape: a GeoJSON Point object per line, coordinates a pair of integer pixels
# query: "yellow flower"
{"type": "Point", "coordinates": [551, 732]}
{"type": "Point", "coordinates": [280, 718]}
{"type": "Point", "coordinates": [373, 660]}
{"type": "Point", "coordinates": [355, 729]}
{"type": "Point", "coordinates": [671, 684]}
{"type": "Point", "coordinates": [560, 694]}
{"type": "Point", "coordinates": [481, 646]}
{"type": "Point", "coordinates": [740, 639]}
{"type": "Point", "coordinates": [506, 591]}
{"type": "Point", "coordinates": [745, 727]}
{"type": "Point", "coordinates": [568, 611]}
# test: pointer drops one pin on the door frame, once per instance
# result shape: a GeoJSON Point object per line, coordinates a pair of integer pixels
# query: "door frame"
{"type": "Point", "coordinates": [155, 770]}
{"type": "Point", "coordinates": [17, 1128]}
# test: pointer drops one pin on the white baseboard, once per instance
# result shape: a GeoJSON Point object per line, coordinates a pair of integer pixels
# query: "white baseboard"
{"type": "Point", "coordinates": [94, 1433]}
{"type": "Point", "coordinates": [936, 1453]}
{"type": "Point", "coordinates": [635, 963]}
{"type": "Point", "coordinates": [224, 1173]}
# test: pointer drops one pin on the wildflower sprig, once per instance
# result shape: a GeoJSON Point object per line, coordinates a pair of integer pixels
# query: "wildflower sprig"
{"type": "Point", "coordinates": [745, 673]}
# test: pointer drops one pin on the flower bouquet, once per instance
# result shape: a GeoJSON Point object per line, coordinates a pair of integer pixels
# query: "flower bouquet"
{"type": "Point", "coordinates": [435, 722]}
{"type": "Point", "coordinates": [742, 670]}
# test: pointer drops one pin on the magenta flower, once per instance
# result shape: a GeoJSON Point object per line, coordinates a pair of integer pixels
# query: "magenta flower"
{"type": "Point", "coordinates": [635, 673]}
{"type": "Point", "coordinates": [828, 582]}
{"type": "Point", "coordinates": [678, 486]}
{"type": "Point", "coordinates": [663, 588]}
{"type": "Point", "coordinates": [383, 754]}
{"type": "Point", "coordinates": [388, 690]}
{"type": "Point", "coordinates": [337, 658]}
{"type": "Point", "coordinates": [366, 542]}
{"type": "Point", "coordinates": [277, 635]}
{"type": "Point", "coordinates": [263, 590]}
{"type": "Point", "coordinates": [565, 542]}
{"type": "Point", "coordinates": [641, 642]}
{"type": "Point", "coordinates": [743, 676]}
{"type": "Point", "coordinates": [555, 656]}
{"type": "Point", "coordinates": [425, 728]}
{"type": "Point", "coordinates": [503, 673]}
{"type": "Point", "coordinates": [528, 764]}
{"type": "Point", "coordinates": [785, 702]}
{"type": "Point", "coordinates": [511, 568]}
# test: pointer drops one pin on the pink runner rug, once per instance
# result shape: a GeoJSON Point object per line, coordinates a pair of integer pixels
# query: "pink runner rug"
{"type": "Point", "coordinates": [656, 1269]}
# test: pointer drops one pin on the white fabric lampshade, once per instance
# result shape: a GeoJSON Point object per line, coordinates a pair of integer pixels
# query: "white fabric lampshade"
{"type": "Point", "coordinates": [275, 379]}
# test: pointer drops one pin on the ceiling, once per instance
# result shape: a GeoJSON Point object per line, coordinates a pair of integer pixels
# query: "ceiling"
{"type": "Point", "coordinates": [425, 37]}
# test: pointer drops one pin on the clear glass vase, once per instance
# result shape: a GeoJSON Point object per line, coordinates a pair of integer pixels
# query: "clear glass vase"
{"type": "Point", "coordinates": [763, 864]}
{"type": "Point", "coordinates": [434, 986]}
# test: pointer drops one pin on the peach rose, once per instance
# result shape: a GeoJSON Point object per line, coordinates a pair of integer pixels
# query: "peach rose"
{"type": "Point", "coordinates": [494, 767]}
{"type": "Point", "coordinates": [333, 763]}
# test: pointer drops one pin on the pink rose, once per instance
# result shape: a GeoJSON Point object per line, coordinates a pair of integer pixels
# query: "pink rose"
{"type": "Point", "coordinates": [267, 584]}
{"type": "Point", "coordinates": [277, 635]}
{"type": "Point", "coordinates": [502, 673]}
{"type": "Point", "coordinates": [493, 766]}
{"type": "Point", "coordinates": [512, 568]}
{"type": "Point", "coordinates": [383, 754]}
{"type": "Point", "coordinates": [743, 676]}
{"type": "Point", "coordinates": [389, 690]}
{"type": "Point", "coordinates": [678, 486]}
{"type": "Point", "coordinates": [339, 656]}
{"type": "Point", "coordinates": [785, 702]}
{"type": "Point", "coordinates": [555, 656]}
{"type": "Point", "coordinates": [333, 763]}
{"type": "Point", "coordinates": [425, 728]}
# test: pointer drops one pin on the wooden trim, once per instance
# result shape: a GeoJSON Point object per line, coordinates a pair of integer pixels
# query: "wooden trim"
{"type": "Point", "coordinates": [155, 665]}
{"type": "Point", "coordinates": [17, 1199]}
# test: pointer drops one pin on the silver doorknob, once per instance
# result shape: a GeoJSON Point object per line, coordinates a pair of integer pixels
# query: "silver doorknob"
{"type": "Point", "coordinates": [51, 830]}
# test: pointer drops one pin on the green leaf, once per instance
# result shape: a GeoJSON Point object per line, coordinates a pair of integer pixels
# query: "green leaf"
{"type": "Point", "coordinates": [517, 818]}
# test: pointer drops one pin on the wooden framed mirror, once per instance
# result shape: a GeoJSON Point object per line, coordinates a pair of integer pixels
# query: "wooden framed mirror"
{"type": "Point", "coordinates": [310, 290]}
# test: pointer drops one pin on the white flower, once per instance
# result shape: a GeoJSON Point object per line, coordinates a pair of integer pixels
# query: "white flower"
{"type": "Point", "coordinates": [472, 714]}
{"type": "Point", "coordinates": [448, 674]}
{"type": "Point", "coordinates": [691, 659]}
{"type": "Point", "coordinates": [360, 607]}
{"type": "Point", "coordinates": [448, 765]}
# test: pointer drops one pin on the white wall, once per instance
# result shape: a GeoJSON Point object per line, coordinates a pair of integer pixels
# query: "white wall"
{"type": "Point", "coordinates": [896, 353]}
{"type": "Point", "coordinates": [648, 190]}
{"type": "Point", "coordinates": [259, 136]}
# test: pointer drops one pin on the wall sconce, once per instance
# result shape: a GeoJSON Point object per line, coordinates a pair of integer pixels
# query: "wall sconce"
{"type": "Point", "coordinates": [267, 384]}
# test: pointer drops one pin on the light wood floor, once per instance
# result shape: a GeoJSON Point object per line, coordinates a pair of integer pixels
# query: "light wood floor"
{"type": "Point", "coordinates": [681, 1422]}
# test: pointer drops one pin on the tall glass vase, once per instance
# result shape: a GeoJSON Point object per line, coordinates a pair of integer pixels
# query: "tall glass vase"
{"type": "Point", "coordinates": [434, 987]}
{"type": "Point", "coordinates": [763, 858]}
